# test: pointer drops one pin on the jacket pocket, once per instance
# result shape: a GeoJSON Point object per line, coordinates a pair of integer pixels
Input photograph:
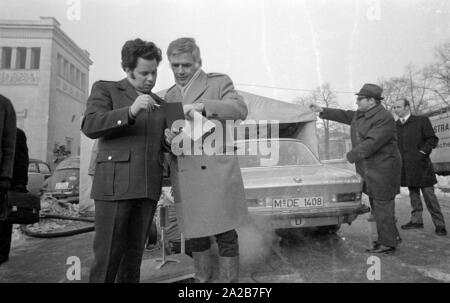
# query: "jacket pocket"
{"type": "Point", "coordinates": [113, 171]}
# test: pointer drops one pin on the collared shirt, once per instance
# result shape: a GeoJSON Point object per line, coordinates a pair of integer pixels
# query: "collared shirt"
{"type": "Point", "coordinates": [184, 89]}
{"type": "Point", "coordinates": [405, 118]}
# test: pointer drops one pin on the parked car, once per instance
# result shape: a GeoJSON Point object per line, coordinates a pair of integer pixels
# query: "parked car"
{"type": "Point", "coordinates": [293, 189]}
{"type": "Point", "coordinates": [65, 180]}
{"type": "Point", "coordinates": [38, 172]}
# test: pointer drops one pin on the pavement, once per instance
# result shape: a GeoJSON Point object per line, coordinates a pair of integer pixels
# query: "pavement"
{"type": "Point", "coordinates": [265, 256]}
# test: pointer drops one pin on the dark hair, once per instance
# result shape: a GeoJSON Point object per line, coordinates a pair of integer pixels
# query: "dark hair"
{"type": "Point", "coordinates": [406, 102]}
{"type": "Point", "coordinates": [137, 48]}
{"type": "Point", "coordinates": [182, 46]}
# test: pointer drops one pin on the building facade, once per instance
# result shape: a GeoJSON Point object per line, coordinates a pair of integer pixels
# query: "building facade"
{"type": "Point", "coordinates": [45, 75]}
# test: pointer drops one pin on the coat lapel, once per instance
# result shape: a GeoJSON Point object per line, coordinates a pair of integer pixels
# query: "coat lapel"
{"type": "Point", "coordinates": [129, 90]}
{"type": "Point", "coordinates": [173, 95]}
{"type": "Point", "coordinates": [196, 89]}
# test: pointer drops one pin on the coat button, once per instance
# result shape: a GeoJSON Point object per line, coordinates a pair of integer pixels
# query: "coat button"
{"type": "Point", "coordinates": [119, 122]}
{"type": "Point", "coordinates": [109, 157]}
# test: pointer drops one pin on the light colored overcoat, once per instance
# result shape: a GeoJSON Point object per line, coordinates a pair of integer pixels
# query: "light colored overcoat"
{"type": "Point", "coordinates": [208, 189]}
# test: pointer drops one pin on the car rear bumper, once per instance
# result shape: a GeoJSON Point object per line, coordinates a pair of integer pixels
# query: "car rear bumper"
{"type": "Point", "coordinates": [71, 197]}
{"type": "Point", "coordinates": [295, 219]}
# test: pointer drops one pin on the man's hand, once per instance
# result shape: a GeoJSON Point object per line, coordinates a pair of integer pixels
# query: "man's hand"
{"type": "Point", "coordinates": [189, 109]}
{"type": "Point", "coordinates": [142, 102]}
{"type": "Point", "coordinates": [169, 135]}
{"type": "Point", "coordinates": [315, 108]}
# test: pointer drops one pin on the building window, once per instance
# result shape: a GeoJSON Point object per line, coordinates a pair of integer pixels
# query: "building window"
{"type": "Point", "coordinates": [59, 63]}
{"type": "Point", "coordinates": [78, 83]}
{"type": "Point", "coordinates": [83, 82]}
{"type": "Point", "coordinates": [35, 57]}
{"type": "Point", "coordinates": [21, 57]}
{"type": "Point", "coordinates": [72, 74]}
{"type": "Point", "coordinates": [6, 58]}
{"type": "Point", "coordinates": [66, 69]}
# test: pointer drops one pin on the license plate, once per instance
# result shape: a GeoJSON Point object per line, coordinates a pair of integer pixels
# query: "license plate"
{"type": "Point", "coordinates": [62, 185]}
{"type": "Point", "coordinates": [301, 202]}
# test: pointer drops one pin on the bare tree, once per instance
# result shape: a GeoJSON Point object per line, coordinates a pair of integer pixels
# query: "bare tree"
{"type": "Point", "coordinates": [439, 72]}
{"type": "Point", "coordinates": [324, 96]}
{"type": "Point", "coordinates": [414, 85]}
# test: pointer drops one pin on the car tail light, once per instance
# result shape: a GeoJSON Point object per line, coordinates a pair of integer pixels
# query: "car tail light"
{"type": "Point", "coordinates": [345, 197]}
{"type": "Point", "coordinates": [267, 202]}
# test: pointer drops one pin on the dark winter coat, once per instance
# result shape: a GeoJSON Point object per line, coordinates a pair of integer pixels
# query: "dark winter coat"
{"type": "Point", "coordinates": [374, 149]}
{"type": "Point", "coordinates": [7, 137]}
{"type": "Point", "coordinates": [416, 135]}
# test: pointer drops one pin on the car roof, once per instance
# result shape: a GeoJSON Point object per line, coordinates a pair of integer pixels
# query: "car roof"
{"type": "Point", "coordinates": [69, 163]}
{"type": "Point", "coordinates": [37, 161]}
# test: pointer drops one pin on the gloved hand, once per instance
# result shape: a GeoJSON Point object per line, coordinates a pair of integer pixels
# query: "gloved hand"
{"type": "Point", "coordinates": [5, 184]}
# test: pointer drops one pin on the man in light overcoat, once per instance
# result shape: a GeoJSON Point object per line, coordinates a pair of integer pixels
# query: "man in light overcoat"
{"type": "Point", "coordinates": [208, 189]}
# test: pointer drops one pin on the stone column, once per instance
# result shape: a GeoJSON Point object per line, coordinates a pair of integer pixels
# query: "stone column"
{"type": "Point", "coordinates": [14, 58]}
{"type": "Point", "coordinates": [28, 58]}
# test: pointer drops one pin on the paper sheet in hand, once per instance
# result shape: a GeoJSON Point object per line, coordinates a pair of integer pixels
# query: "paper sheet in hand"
{"type": "Point", "coordinates": [196, 128]}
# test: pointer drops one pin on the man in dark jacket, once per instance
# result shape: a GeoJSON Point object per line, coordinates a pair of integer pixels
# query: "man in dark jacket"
{"type": "Point", "coordinates": [416, 140]}
{"type": "Point", "coordinates": [376, 157]}
{"type": "Point", "coordinates": [125, 118]}
{"type": "Point", "coordinates": [19, 184]}
{"type": "Point", "coordinates": [7, 148]}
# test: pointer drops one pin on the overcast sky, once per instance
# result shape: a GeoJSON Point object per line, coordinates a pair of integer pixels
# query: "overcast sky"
{"type": "Point", "coordinates": [284, 43]}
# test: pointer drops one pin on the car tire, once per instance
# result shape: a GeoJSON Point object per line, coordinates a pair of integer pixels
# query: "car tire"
{"type": "Point", "coordinates": [328, 229]}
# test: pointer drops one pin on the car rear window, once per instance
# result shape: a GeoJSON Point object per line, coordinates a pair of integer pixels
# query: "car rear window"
{"type": "Point", "coordinates": [274, 153]}
{"type": "Point", "coordinates": [32, 168]}
{"type": "Point", "coordinates": [43, 168]}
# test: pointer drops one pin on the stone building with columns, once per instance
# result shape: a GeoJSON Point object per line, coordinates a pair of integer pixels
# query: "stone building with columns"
{"type": "Point", "coordinates": [45, 74]}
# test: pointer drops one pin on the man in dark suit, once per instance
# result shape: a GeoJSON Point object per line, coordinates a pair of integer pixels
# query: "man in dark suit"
{"type": "Point", "coordinates": [376, 157]}
{"type": "Point", "coordinates": [416, 140]}
{"type": "Point", "coordinates": [19, 183]}
{"type": "Point", "coordinates": [7, 150]}
{"type": "Point", "coordinates": [125, 118]}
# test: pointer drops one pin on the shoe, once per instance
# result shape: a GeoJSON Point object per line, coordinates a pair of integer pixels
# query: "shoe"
{"type": "Point", "coordinates": [441, 231]}
{"type": "Point", "coordinates": [411, 225]}
{"type": "Point", "coordinates": [3, 260]}
{"type": "Point", "coordinates": [375, 245]}
{"type": "Point", "coordinates": [381, 249]}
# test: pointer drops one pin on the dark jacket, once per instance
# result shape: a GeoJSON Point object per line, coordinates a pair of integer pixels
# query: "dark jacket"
{"type": "Point", "coordinates": [129, 160]}
{"type": "Point", "coordinates": [416, 135]}
{"type": "Point", "coordinates": [374, 149]}
{"type": "Point", "coordinates": [8, 137]}
{"type": "Point", "coordinates": [21, 160]}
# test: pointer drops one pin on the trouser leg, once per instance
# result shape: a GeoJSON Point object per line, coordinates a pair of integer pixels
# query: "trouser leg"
{"type": "Point", "coordinates": [140, 217]}
{"type": "Point", "coordinates": [433, 206]}
{"type": "Point", "coordinates": [111, 220]}
{"type": "Point", "coordinates": [202, 259]}
{"type": "Point", "coordinates": [228, 256]}
{"type": "Point", "coordinates": [416, 205]}
{"type": "Point", "coordinates": [5, 240]}
{"type": "Point", "coordinates": [385, 219]}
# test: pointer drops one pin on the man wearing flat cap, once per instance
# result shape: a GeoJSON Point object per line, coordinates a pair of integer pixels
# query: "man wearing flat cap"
{"type": "Point", "coordinates": [376, 157]}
